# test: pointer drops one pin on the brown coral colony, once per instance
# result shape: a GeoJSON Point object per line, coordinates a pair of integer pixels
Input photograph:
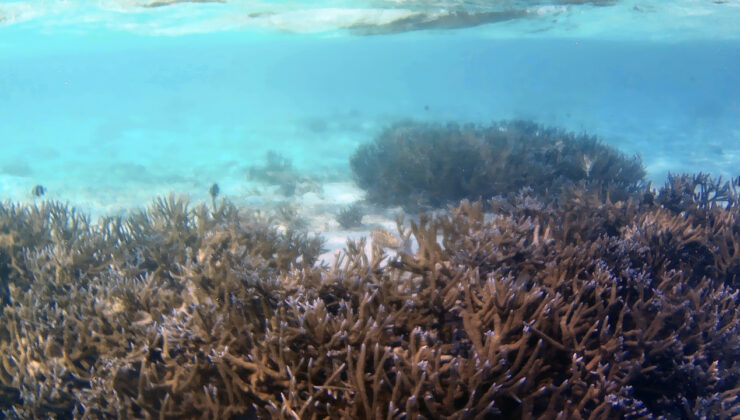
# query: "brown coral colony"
{"type": "Point", "coordinates": [563, 288]}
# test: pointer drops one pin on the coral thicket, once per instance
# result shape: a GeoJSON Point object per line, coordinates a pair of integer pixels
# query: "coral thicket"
{"type": "Point", "coordinates": [422, 166]}
{"type": "Point", "coordinates": [573, 306]}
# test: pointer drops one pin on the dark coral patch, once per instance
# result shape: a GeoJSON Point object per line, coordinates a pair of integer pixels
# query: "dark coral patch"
{"type": "Point", "coordinates": [418, 165]}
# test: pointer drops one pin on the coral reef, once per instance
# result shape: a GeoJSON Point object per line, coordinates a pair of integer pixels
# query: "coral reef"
{"type": "Point", "coordinates": [95, 294]}
{"type": "Point", "coordinates": [278, 170]}
{"type": "Point", "coordinates": [288, 214]}
{"type": "Point", "coordinates": [575, 305]}
{"type": "Point", "coordinates": [351, 216]}
{"type": "Point", "coordinates": [419, 166]}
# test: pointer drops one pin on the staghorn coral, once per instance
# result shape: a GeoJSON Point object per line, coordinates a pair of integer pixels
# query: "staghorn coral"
{"type": "Point", "coordinates": [699, 191]}
{"type": "Point", "coordinates": [81, 299]}
{"type": "Point", "coordinates": [351, 216]}
{"type": "Point", "coordinates": [419, 166]}
{"type": "Point", "coordinates": [573, 306]}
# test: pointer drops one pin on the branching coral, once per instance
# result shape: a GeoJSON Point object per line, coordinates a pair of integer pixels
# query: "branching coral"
{"type": "Point", "coordinates": [351, 216]}
{"type": "Point", "coordinates": [573, 306]}
{"type": "Point", "coordinates": [417, 166]}
{"type": "Point", "coordinates": [698, 191]}
{"type": "Point", "coordinates": [85, 306]}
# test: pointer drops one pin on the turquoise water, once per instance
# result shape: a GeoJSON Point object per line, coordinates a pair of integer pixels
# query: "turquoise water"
{"type": "Point", "coordinates": [110, 105]}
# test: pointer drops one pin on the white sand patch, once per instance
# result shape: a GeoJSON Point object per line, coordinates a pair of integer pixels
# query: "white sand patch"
{"type": "Point", "coordinates": [343, 193]}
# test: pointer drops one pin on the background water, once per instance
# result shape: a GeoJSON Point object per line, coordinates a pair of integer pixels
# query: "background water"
{"type": "Point", "coordinates": [112, 104]}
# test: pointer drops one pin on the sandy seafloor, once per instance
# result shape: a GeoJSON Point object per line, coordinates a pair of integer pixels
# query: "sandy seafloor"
{"type": "Point", "coordinates": [110, 107]}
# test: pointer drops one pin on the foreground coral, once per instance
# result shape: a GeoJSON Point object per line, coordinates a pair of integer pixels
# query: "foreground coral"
{"type": "Point", "coordinates": [575, 307]}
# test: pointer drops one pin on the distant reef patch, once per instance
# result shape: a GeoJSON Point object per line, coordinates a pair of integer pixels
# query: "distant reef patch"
{"type": "Point", "coordinates": [16, 167]}
{"type": "Point", "coordinates": [278, 170]}
{"type": "Point", "coordinates": [425, 166]}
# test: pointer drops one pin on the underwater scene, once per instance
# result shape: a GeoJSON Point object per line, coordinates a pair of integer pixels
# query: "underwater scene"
{"type": "Point", "coordinates": [370, 209]}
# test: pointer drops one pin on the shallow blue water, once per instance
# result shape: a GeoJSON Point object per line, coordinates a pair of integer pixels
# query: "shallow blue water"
{"type": "Point", "coordinates": [106, 117]}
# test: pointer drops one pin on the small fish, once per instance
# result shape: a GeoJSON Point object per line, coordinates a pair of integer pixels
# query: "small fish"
{"type": "Point", "coordinates": [214, 191]}
{"type": "Point", "coordinates": [38, 190]}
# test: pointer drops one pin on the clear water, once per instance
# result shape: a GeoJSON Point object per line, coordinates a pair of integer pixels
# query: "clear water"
{"type": "Point", "coordinates": [110, 104]}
